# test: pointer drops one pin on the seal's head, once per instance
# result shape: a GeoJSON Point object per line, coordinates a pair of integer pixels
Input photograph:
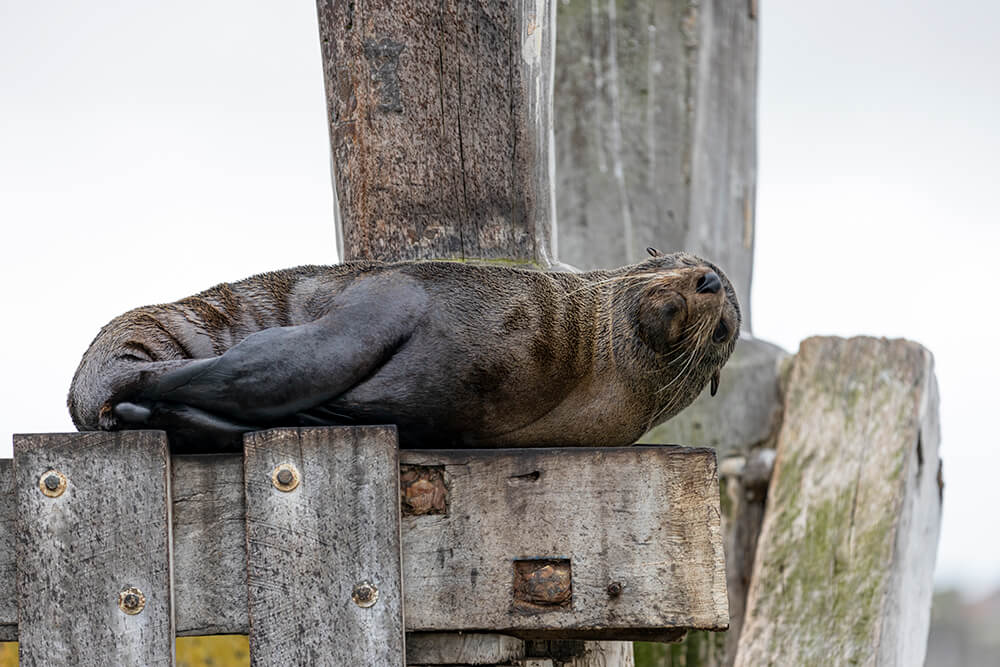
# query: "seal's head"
{"type": "Point", "coordinates": [686, 314]}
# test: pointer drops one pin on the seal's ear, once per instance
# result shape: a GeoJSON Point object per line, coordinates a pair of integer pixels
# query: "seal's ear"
{"type": "Point", "coordinates": [715, 383]}
{"type": "Point", "coordinates": [653, 252]}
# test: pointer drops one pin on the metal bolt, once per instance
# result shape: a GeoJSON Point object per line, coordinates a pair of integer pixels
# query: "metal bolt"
{"type": "Point", "coordinates": [285, 477]}
{"type": "Point", "coordinates": [365, 594]}
{"type": "Point", "coordinates": [615, 589]}
{"type": "Point", "coordinates": [52, 483]}
{"type": "Point", "coordinates": [131, 600]}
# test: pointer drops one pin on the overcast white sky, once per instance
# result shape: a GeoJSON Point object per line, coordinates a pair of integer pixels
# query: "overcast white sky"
{"type": "Point", "coordinates": [151, 149]}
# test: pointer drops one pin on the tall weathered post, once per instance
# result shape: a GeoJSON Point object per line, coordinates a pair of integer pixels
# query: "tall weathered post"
{"type": "Point", "coordinates": [440, 118]}
{"type": "Point", "coordinates": [440, 136]}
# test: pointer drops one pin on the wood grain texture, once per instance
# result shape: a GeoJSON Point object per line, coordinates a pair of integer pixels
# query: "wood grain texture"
{"type": "Point", "coordinates": [439, 119]}
{"type": "Point", "coordinates": [564, 653]}
{"type": "Point", "coordinates": [655, 133]}
{"type": "Point", "coordinates": [8, 560]}
{"type": "Point", "coordinates": [309, 548]}
{"type": "Point", "coordinates": [646, 518]}
{"type": "Point", "coordinates": [109, 530]}
{"type": "Point", "coordinates": [468, 648]}
{"type": "Point", "coordinates": [845, 560]}
{"type": "Point", "coordinates": [209, 529]}
{"type": "Point", "coordinates": [623, 504]}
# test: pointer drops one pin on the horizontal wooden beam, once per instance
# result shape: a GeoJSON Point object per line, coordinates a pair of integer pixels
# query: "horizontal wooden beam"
{"type": "Point", "coordinates": [588, 543]}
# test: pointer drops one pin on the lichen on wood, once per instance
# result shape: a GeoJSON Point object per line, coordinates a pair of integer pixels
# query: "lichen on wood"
{"type": "Point", "coordinates": [843, 570]}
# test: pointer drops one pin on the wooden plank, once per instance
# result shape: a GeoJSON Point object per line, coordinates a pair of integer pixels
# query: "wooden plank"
{"type": "Point", "coordinates": [845, 560]}
{"type": "Point", "coordinates": [93, 549]}
{"type": "Point", "coordinates": [8, 560]}
{"type": "Point", "coordinates": [469, 648]}
{"type": "Point", "coordinates": [655, 133]}
{"type": "Point", "coordinates": [583, 653]}
{"type": "Point", "coordinates": [626, 541]}
{"type": "Point", "coordinates": [323, 547]}
{"type": "Point", "coordinates": [439, 127]}
{"type": "Point", "coordinates": [209, 525]}
{"type": "Point", "coordinates": [211, 595]}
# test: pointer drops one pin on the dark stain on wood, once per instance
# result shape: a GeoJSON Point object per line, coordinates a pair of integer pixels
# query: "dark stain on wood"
{"type": "Point", "coordinates": [383, 58]}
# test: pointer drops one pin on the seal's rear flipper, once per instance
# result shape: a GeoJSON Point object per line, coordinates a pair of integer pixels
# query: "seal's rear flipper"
{"type": "Point", "coordinates": [273, 374]}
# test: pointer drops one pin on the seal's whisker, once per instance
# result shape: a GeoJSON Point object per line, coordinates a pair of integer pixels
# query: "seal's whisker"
{"type": "Point", "coordinates": [615, 279]}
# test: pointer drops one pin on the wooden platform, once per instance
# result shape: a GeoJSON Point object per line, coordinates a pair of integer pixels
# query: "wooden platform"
{"type": "Point", "coordinates": [587, 543]}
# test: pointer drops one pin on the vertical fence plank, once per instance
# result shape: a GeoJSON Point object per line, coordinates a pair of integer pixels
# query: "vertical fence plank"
{"type": "Point", "coordinates": [322, 538]}
{"type": "Point", "coordinates": [94, 548]}
{"type": "Point", "coordinates": [8, 561]}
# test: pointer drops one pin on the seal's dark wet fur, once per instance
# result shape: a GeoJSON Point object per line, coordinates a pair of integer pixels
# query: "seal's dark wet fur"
{"type": "Point", "coordinates": [454, 354]}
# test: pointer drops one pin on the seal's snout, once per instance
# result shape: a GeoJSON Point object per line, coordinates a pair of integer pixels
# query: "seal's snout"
{"type": "Point", "coordinates": [709, 283]}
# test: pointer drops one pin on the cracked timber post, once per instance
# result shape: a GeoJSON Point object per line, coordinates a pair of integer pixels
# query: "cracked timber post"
{"type": "Point", "coordinates": [439, 118]}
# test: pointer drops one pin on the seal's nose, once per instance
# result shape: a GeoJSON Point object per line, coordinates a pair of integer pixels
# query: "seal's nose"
{"type": "Point", "coordinates": [710, 282]}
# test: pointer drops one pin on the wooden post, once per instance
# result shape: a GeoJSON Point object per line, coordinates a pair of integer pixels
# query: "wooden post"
{"type": "Point", "coordinates": [655, 132]}
{"type": "Point", "coordinates": [323, 546]}
{"type": "Point", "coordinates": [844, 567]}
{"type": "Point", "coordinates": [439, 127]}
{"type": "Point", "coordinates": [93, 548]}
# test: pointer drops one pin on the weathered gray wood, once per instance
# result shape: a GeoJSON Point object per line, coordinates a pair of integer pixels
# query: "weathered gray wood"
{"type": "Point", "coordinates": [8, 560]}
{"type": "Point", "coordinates": [311, 549]}
{"type": "Point", "coordinates": [439, 127]}
{"type": "Point", "coordinates": [744, 497]}
{"type": "Point", "coordinates": [209, 527]}
{"type": "Point", "coordinates": [651, 486]}
{"type": "Point", "coordinates": [644, 518]}
{"type": "Point", "coordinates": [846, 554]}
{"type": "Point", "coordinates": [470, 648]}
{"type": "Point", "coordinates": [655, 132]}
{"type": "Point", "coordinates": [108, 531]}
{"type": "Point", "coordinates": [582, 653]}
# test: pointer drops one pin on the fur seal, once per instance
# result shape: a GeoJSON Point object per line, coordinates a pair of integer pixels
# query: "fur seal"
{"type": "Point", "coordinates": [454, 354]}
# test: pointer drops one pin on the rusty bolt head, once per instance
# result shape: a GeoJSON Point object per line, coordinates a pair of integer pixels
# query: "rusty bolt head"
{"type": "Point", "coordinates": [52, 483]}
{"type": "Point", "coordinates": [285, 477]}
{"type": "Point", "coordinates": [615, 589]}
{"type": "Point", "coordinates": [365, 594]}
{"type": "Point", "coordinates": [131, 600]}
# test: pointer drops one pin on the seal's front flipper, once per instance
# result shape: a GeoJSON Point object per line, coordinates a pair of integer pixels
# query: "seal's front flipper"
{"type": "Point", "coordinates": [190, 429]}
{"type": "Point", "coordinates": [276, 373]}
